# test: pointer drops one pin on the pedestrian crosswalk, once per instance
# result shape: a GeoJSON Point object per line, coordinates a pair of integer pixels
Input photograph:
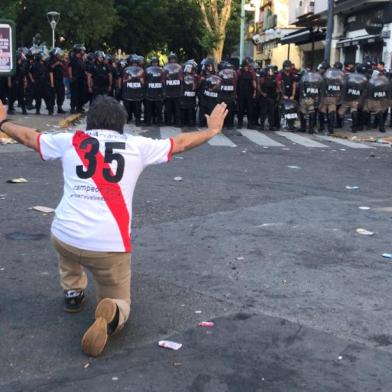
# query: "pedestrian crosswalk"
{"type": "Point", "coordinates": [278, 139]}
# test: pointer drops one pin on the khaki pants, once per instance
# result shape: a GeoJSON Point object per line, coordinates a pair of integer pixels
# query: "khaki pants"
{"type": "Point", "coordinates": [352, 105]}
{"type": "Point", "coordinates": [307, 105]}
{"type": "Point", "coordinates": [328, 104]}
{"type": "Point", "coordinates": [111, 272]}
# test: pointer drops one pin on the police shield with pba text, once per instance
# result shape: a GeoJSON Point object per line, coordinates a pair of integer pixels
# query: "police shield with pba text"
{"type": "Point", "coordinates": [377, 102]}
{"type": "Point", "coordinates": [310, 90]}
{"type": "Point", "coordinates": [355, 91]}
{"type": "Point", "coordinates": [133, 88]}
{"type": "Point", "coordinates": [333, 88]}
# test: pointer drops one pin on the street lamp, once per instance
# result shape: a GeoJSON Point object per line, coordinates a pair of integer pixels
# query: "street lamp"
{"type": "Point", "coordinates": [53, 19]}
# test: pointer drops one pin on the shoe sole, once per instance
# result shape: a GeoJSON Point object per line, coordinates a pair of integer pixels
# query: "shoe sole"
{"type": "Point", "coordinates": [76, 310]}
{"type": "Point", "coordinates": [96, 337]}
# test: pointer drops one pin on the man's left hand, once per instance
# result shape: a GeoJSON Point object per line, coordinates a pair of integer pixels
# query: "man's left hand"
{"type": "Point", "coordinates": [3, 112]}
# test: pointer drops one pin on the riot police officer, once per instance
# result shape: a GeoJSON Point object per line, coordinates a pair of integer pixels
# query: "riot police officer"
{"type": "Point", "coordinates": [173, 90]}
{"type": "Point", "coordinates": [310, 90]}
{"type": "Point", "coordinates": [188, 99]}
{"type": "Point", "coordinates": [378, 95]}
{"type": "Point", "coordinates": [99, 77]}
{"type": "Point", "coordinates": [228, 90]}
{"type": "Point", "coordinates": [268, 92]}
{"type": "Point", "coordinates": [43, 83]}
{"type": "Point", "coordinates": [332, 91]}
{"type": "Point", "coordinates": [18, 83]}
{"type": "Point", "coordinates": [76, 69]}
{"type": "Point", "coordinates": [211, 94]}
{"type": "Point", "coordinates": [154, 93]}
{"type": "Point", "coordinates": [133, 82]}
{"type": "Point", "coordinates": [57, 70]}
{"type": "Point", "coordinates": [354, 93]}
{"type": "Point", "coordinates": [207, 70]}
{"type": "Point", "coordinates": [246, 87]}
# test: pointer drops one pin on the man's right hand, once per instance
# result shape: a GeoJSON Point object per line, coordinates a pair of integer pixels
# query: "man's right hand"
{"type": "Point", "coordinates": [217, 117]}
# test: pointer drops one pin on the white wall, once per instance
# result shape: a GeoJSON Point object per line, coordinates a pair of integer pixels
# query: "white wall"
{"type": "Point", "coordinates": [320, 6]}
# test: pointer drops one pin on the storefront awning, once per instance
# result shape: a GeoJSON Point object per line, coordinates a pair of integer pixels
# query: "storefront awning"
{"type": "Point", "coordinates": [303, 36]}
{"type": "Point", "coordinates": [362, 40]}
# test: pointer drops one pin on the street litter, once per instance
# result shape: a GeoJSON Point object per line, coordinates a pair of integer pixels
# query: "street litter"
{"type": "Point", "coordinates": [115, 378]}
{"type": "Point", "coordinates": [240, 258]}
{"type": "Point", "coordinates": [7, 140]}
{"type": "Point", "coordinates": [46, 210]}
{"type": "Point", "coordinates": [17, 181]}
{"type": "Point", "coordinates": [340, 357]}
{"type": "Point", "coordinates": [178, 157]}
{"type": "Point", "coordinates": [244, 151]}
{"type": "Point", "coordinates": [197, 311]}
{"type": "Point", "coordinates": [177, 178]}
{"type": "Point", "coordinates": [364, 208]}
{"type": "Point", "coordinates": [86, 365]}
{"type": "Point", "coordinates": [352, 188]}
{"type": "Point", "coordinates": [364, 232]}
{"type": "Point", "coordinates": [207, 324]}
{"type": "Point", "coordinates": [293, 167]}
{"type": "Point", "coordinates": [169, 344]}
{"type": "Point", "coordinates": [387, 255]}
{"type": "Point", "coordinates": [2, 269]}
{"type": "Point", "coordinates": [342, 149]}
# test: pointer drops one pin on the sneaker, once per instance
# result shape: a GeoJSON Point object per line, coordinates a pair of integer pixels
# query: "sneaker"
{"type": "Point", "coordinates": [106, 321]}
{"type": "Point", "coordinates": [73, 300]}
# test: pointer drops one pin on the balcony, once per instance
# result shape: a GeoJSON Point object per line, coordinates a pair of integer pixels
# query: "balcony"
{"type": "Point", "coordinates": [305, 8]}
{"type": "Point", "coordinates": [346, 7]}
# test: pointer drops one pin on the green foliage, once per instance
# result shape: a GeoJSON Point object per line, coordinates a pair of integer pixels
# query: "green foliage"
{"type": "Point", "coordinates": [141, 26]}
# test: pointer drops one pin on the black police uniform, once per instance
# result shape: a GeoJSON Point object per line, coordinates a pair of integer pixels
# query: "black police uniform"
{"type": "Point", "coordinates": [78, 83]}
{"type": "Point", "coordinates": [39, 71]}
{"type": "Point", "coordinates": [100, 75]}
{"type": "Point", "coordinates": [56, 68]}
{"type": "Point", "coordinates": [18, 87]}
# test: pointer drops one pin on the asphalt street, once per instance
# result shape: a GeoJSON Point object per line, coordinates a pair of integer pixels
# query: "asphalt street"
{"type": "Point", "coordinates": [258, 237]}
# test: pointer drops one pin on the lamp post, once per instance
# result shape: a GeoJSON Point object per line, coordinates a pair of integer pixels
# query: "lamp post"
{"type": "Point", "coordinates": [328, 36]}
{"type": "Point", "coordinates": [53, 19]}
{"type": "Point", "coordinates": [242, 30]}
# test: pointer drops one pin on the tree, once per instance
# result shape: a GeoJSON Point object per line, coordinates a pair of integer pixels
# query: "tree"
{"type": "Point", "coordinates": [216, 14]}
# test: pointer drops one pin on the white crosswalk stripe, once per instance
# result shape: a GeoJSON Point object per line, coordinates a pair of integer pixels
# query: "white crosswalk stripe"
{"type": "Point", "coordinates": [344, 142]}
{"type": "Point", "coordinates": [168, 132]}
{"type": "Point", "coordinates": [302, 140]}
{"type": "Point", "coordinates": [260, 138]}
{"type": "Point", "coordinates": [221, 140]}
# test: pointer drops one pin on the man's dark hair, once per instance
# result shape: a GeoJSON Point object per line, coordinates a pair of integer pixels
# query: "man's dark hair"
{"type": "Point", "coordinates": [106, 113]}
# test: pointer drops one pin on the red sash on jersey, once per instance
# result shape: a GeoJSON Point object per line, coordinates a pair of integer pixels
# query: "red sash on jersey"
{"type": "Point", "coordinates": [114, 199]}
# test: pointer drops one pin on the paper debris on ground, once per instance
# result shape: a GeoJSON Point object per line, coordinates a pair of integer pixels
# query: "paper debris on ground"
{"type": "Point", "coordinates": [387, 255]}
{"type": "Point", "coordinates": [197, 311]}
{"type": "Point", "coordinates": [240, 258]}
{"type": "Point", "coordinates": [293, 167]}
{"type": "Point", "coordinates": [46, 210]}
{"type": "Point", "coordinates": [364, 231]}
{"type": "Point", "coordinates": [86, 365]}
{"type": "Point", "coordinates": [207, 324]}
{"type": "Point", "coordinates": [352, 188]}
{"type": "Point", "coordinates": [20, 180]}
{"type": "Point", "coordinates": [169, 344]}
{"type": "Point", "coordinates": [69, 120]}
{"type": "Point", "coordinates": [177, 178]}
{"type": "Point", "coordinates": [364, 208]}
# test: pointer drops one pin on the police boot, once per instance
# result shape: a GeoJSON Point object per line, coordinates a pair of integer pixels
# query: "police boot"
{"type": "Point", "coordinates": [303, 122]}
{"type": "Point", "coordinates": [321, 121]}
{"type": "Point", "coordinates": [331, 118]}
{"type": "Point", "coordinates": [60, 110]}
{"type": "Point", "coordinates": [381, 122]}
{"type": "Point", "coordinates": [354, 118]}
{"type": "Point", "coordinates": [312, 123]}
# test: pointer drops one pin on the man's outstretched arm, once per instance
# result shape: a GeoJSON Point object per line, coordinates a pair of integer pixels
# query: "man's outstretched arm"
{"type": "Point", "coordinates": [24, 135]}
{"type": "Point", "coordinates": [187, 141]}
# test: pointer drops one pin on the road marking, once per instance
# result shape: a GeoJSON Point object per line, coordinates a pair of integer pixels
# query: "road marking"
{"type": "Point", "coordinates": [260, 138]}
{"type": "Point", "coordinates": [304, 141]}
{"type": "Point", "coordinates": [168, 132]}
{"type": "Point", "coordinates": [221, 140]}
{"type": "Point", "coordinates": [345, 142]}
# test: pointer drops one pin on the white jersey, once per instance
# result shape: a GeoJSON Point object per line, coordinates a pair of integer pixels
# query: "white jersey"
{"type": "Point", "coordinates": [100, 169]}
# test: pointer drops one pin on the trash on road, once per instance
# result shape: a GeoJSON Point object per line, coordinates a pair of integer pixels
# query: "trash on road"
{"type": "Point", "coordinates": [293, 167]}
{"type": "Point", "coordinates": [115, 378]}
{"type": "Point", "coordinates": [7, 140]}
{"type": "Point", "coordinates": [177, 364]}
{"type": "Point", "coordinates": [240, 258]}
{"type": "Point", "coordinates": [177, 178]}
{"type": "Point", "coordinates": [207, 324]}
{"type": "Point", "coordinates": [20, 180]}
{"type": "Point", "coordinates": [364, 232]}
{"type": "Point", "coordinates": [340, 357]}
{"type": "Point", "coordinates": [352, 188]}
{"type": "Point", "coordinates": [342, 149]}
{"type": "Point", "coordinates": [86, 365]}
{"type": "Point", "coordinates": [178, 157]}
{"type": "Point", "coordinates": [2, 269]}
{"type": "Point", "coordinates": [169, 344]}
{"type": "Point", "coordinates": [364, 208]}
{"type": "Point", "coordinates": [387, 255]}
{"type": "Point", "coordinates": [197, 311]}
{"type": "Point", "coordinates": [45, 210]}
